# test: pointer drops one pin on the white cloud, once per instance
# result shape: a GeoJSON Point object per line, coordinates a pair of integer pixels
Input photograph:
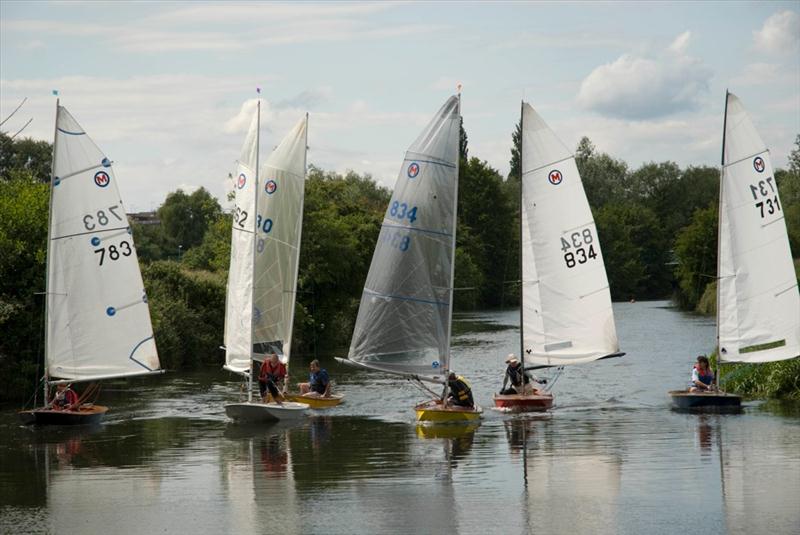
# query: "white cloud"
{"type": "Point", "coordinates": [634, 87]}
{"type": "Point", "coordinates": [780, 33]}
{"type": "Point", "coordinates": [681, 43]}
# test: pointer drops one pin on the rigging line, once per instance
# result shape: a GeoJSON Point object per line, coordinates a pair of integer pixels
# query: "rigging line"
{"type": "Point", "coordinates": [13, 112]}
{"type": "Point", "coordinates": [23, 128]}
{"type": "Point", "coordinates": [529, 171]}
{"type": "Point", "coordinates": [98, 231]}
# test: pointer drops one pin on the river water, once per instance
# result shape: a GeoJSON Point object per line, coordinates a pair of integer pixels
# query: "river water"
{"type": "Point", "coordinates": [611, 457]}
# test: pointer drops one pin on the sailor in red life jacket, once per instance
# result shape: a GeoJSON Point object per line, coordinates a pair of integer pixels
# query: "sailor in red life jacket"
{"type": "Point", "coordinates": [702, 376]}
{"type": "Point", "coordinates": [65, 400]}
{"type": "Point", "coordinates": [273, 372]}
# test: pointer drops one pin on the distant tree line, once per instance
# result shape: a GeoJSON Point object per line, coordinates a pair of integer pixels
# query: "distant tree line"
{"type": "Point", "coordinates": [656, 224]}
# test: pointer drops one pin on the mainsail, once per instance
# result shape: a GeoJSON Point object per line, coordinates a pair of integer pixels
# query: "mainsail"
{"type": "Point", "coordinates": [279, 223]}
{"type": "Point", "coordinates": [566, 304]}
{"type": "Point", "coordinates": [265, 248]}
{"type": "Point", "coordinates": [403, 322]}
{"type": "Point", "coordinates": [758, 312]}
{"type": "Point", "coordinates": [239, 302]}
{"type": "Point", "coordinates": [98, 321]}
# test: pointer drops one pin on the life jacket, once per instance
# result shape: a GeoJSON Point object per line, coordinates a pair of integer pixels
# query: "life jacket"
{"type": "Point", "coordinates": [268, 371]}
{"type": "Point", "coordinates": [706, 377]}
{"type": "Point", "coordinates": [460, 390]}
{"type": "Point", "coordinates": [517, 375]}
{"type": "Point", "coordinates": [69, 397]}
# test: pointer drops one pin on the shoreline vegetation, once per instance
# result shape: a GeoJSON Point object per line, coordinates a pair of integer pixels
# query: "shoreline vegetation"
{"type": "Point", "coordinates": [657, 225]}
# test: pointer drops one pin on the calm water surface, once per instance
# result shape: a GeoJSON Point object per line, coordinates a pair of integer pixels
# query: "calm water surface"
{"type": "Point", "coordinates": [610, 458]}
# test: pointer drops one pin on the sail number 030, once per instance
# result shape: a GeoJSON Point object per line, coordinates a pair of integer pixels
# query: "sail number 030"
{"type": "Point", "coordinates": [767, 198]}
{"type": "Point", "coordinates": [579, 249]}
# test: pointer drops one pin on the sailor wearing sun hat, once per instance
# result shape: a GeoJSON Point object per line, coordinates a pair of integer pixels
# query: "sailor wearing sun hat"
{"type": "Point", "coordinates": [520, 379]}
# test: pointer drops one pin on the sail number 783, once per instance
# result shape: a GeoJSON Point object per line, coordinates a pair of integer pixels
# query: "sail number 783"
{"type": "Point", "coordinates": [578, 247]}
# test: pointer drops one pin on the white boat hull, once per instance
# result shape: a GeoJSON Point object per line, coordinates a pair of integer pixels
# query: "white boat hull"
{"type": "Point", "coordinates": [265, 412]}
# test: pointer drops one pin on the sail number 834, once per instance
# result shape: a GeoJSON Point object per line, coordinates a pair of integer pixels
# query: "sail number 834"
{"type": "Point", "coordinates": [578, 248]}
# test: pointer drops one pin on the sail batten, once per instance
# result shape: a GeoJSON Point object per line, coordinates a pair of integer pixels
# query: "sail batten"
{"type": "Point", "coordinates": [403, 323]}
{"type": "Point", "coordinates": [98, 320]}
{"type": "Point", "coordinates": [566, 304]}
{"type": "Point", "coordinates": [758, 312]}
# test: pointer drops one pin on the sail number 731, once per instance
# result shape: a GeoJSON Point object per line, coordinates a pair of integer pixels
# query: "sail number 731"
{"type": "Point", "coordinates": [578, 247]}
{"type": "Point", "coordinates": [766, 197]}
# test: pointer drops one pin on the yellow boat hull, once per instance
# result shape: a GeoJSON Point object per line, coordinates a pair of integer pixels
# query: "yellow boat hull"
{"type": "Point", "coordinates": [435, 412]}
{"type": "Point", "coordinates": [316, 403]}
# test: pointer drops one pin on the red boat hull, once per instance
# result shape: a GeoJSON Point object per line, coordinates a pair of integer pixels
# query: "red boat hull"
{"type": "Point", "coordinates": [524, 403]}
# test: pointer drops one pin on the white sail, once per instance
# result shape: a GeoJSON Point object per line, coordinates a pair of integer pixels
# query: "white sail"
{"type": "Point", "coordinates": [566, 304]}
{"type": "Point", "coordinates": [98, 321]}
{"type": "Point", "coordinates": [403, 322]}
{"type": "Point", "coordinates": [279, 222]}
{"type": "Point", "coordinates": [239, 302]}
{"type": "Point", "coordinates": [758, 313]}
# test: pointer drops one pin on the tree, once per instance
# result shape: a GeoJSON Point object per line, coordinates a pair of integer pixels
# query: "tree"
{"type": "Point", "coordinates": [696, 252]}
{"type": "Point", "coordinates": [25, 154]}
{"type": "Point", "coordinates": [23, 250]}
{"type": "Point", "coordinates": [515, 164]}
{"type": "Point", "coordinates": [603, 177]}
{"type": "Point", "coordinates": [185, 218]}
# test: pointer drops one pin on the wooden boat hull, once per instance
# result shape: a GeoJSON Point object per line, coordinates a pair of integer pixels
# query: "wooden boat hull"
{"type": "Point", "coordinates": [524, 402]}
{"type": "Point", "coordinates": [86, 415]}
{"type": "Point", "coordinates": [684, 400]}
{"type": "Point", "coordinates": [257, 412]}
{"type": "Point", "coordinates": [315, 402]}
{"type": "Point", "coordinates": [433, 411]}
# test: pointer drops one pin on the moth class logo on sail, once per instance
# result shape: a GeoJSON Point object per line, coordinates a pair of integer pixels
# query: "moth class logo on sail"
{"type": "Point", "coordinates": [555, 177]}
{"type": "Point", "coordinates": [413, 170]}
{"type": "Point", "coordinates": [270, 187]}
{"type": "Point", "coordinates": [102, 179]}
{"type": "Point", "coordinates": [241, 181]}
{"type": "Point", "coordinates": [758, 164]}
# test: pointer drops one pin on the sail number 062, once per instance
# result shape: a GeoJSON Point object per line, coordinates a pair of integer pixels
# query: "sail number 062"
{"type": "Point", "coordinates": [579, 249]}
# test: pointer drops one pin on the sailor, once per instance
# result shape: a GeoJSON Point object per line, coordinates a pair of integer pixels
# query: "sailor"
{"type": "Point", "coordinates": [66, 399]}
{"type": "Point", "coordinates": [319, 382]}
{"type": "Point", "coordinates": [460, 391]}
{"type": "Point", "coordinates": [273, 372]}
{"type": "Point", "coordinates": [702, 376]}
{"type": "Point", "coordinates": [521, 380]}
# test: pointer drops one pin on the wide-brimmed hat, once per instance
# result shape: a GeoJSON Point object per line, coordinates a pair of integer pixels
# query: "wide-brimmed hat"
{"type": "Point", "coordinates": [511, 358]}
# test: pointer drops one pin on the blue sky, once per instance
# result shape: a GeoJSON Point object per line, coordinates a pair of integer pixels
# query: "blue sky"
{"type": "Point", "coordinates": [166, 88]}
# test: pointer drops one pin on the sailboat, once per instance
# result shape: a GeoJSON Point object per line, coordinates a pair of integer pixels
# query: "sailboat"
{"type": "Point", "coordinates": [97, 318]}
{"type": "Point", "coordinates": [565, 311]}
{"type": "Point", "coordinates": [758, 303]}
{"type": "Point", "coordinates": [404, 318]}
{"type": "Point", "coordinates": [265, 249]}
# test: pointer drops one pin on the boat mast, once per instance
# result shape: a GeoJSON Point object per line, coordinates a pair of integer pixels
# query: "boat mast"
{"type": "Point", "coordinates": [453, 249]}
{"type": "Point", "coordinates": [47, 265]}
{"type": "Point", "coordinates": [521, 278]}
{"type": "Point", "coordinates": [719, 236]}
{"type": "Point", "coordinates": [253, 265]}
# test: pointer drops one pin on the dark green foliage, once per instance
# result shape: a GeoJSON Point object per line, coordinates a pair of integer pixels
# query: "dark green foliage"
{"type": "Point", "coordinates": [23, 250]}
{"type": "Point", "coordinates": [187, 310]}
{"type": "Point", "coordinates": [27, 155]}
{"type": "Point", "coordinates": [341, 221]}
{"type": "Point", "coordinates": [696, 252]}
{"type": "Point", "coordinates": [185, 218]}
{"type": "Point", "coordinates": [634, 249]}
{"type": "Point", "coordinates": [779, 380]}
{"type": "Point", "coordinates": [485, 225]}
